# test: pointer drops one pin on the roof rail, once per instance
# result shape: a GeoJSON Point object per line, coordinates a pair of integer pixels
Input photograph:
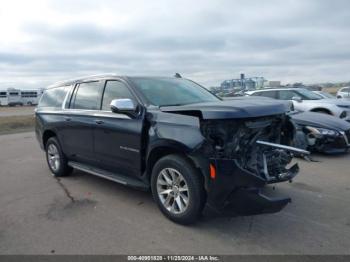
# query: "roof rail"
{"type": "Point", "coordinates": [83, 78]}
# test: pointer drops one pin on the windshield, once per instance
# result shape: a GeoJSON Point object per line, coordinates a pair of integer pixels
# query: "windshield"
{"type": "Point", "coordinates": [308, 95]}
{"type": "Point", "coordinates": [172, 91]}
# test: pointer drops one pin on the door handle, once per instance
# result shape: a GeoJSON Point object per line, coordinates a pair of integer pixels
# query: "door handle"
{"type": "Point", "coordinates": [68, 118]}
{"type": "Point", "coordinates": [99, 122]}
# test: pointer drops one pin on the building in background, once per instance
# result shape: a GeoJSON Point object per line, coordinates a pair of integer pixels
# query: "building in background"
{"type": "Point", "coordinates": [272, 84]}
{"type": "Point", "coordinates": [241, 84]}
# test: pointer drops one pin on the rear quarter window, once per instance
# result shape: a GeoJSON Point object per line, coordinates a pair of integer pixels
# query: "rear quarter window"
{"type": "Point", "coordinates": [270, 94]}
{"type": "Point", "coordinates": [53, 97]}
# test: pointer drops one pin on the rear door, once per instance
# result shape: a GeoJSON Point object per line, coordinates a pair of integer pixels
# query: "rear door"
{"type": "Point", "coordinates": [117, 137]}
{"type": "Point", "coordinates": [80, 121]}
{"type": "Point", "coordinates": [288, 94]}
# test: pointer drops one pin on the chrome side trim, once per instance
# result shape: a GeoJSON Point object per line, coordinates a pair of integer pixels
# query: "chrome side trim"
{"type": "Point", "coordinates": [93, 172]}
{"type": "Point", "coordinates": [84, 112]}
{"type": "Point", "coordinates": [288, 148]}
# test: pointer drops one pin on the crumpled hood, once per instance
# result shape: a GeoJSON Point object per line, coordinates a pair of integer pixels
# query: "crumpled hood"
{"type": "Point", "coordinates": [237, 107]}
{"type": "Point", "coordinates": [320, 120]}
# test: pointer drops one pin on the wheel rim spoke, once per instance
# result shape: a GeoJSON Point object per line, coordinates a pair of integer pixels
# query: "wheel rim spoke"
{"type": "Point", "coordinates": [179, 203]}
{"type": "Point", "coordinates": [167, 178]}
{"type": "Point", "coordinates": [166, 192]}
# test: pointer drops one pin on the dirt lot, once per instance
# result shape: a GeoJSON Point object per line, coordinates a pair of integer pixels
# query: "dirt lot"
{"type": "Point", "coordinates": [16, 110]}
{"type": "Point", "coordinates": [83, 214]}
{"type": "Point", "coordinates": [16, 119]}
{"type": "Point", "coordinates": [16, 124]}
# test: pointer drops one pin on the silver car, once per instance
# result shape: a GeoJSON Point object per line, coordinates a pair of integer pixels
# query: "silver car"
{"type": "Point", "coordinates": [344, 92]}
{"type": "Point", "coordinates": [324, 94]}
{"type": "Point", "coordinates": [306, 100]}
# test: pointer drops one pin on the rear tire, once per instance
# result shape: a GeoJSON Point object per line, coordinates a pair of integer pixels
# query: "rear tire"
{"type": "Point", "coordinates": [56, 160]}
{"type": "Point", "coordinates": [178, 189]}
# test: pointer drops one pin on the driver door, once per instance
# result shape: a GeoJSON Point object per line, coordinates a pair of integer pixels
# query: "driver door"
{"type": "Point", "coordinates": [117, 137]}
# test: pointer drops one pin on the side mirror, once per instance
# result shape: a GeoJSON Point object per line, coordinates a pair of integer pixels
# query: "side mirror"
{"type": "Point", "coordinates": [297, 98]}
{"type": "Point", "coordinates": [123, 106]}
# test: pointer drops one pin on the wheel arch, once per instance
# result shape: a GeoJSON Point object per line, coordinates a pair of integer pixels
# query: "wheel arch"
{"type": "Point", "coordinates": [46, 135]}
{"type": "Point", "coordinates": [167, 148]}
{"type": "Point", "coordinates": [321, 109]}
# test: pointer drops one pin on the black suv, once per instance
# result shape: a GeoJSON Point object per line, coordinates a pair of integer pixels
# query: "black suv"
{"type": "Point", "coordinates": [172, 136]}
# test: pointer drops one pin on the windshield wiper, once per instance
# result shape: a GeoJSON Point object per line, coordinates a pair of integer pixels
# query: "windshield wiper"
{"type": "Point", "coordinates": [171, 105]}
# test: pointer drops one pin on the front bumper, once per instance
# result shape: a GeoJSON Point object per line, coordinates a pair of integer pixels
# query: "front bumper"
{"type": "Point", "coordinates": [333, 144]}
{"type": "Point", "coordinates": [236, 191]}
{"type": "Point", "coordinates": [252, 201]}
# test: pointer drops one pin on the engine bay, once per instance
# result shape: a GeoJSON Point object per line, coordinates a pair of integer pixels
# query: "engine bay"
{"type": "Point", "coordinates": [238, 139]}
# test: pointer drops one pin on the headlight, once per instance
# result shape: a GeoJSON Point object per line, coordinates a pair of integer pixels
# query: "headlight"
{"type": "Point", "coordinates": [344, 106]}
{"type": "Point", "coordinates": [322, 131]}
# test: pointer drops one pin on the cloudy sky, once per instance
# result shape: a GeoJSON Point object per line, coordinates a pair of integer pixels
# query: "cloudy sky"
{"type": "Point", "coordinates": [302, 40]}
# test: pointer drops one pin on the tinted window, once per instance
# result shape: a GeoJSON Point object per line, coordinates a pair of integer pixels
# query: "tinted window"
{"type": "Point", "coordinates": [346, 89]}
{"type": "Point", "coordinates": [166, 91]}
{"type": "Point", "coordinates": [114, 90]}
{"type": "Point", "coordinates": [53, 97]}
{"type": "Point", "coordinates": [287, 94]}
{"type": "Point", "coordinates": [88, 96]}
{"type": "Point", "coordinates": [307, 94]}
{"type": "Point", "coordinates": [328, 95]}
{"type": "Point", "coordinates": [271, 94]}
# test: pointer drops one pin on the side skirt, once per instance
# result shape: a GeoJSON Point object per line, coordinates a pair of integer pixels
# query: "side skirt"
{"type": "Point", "coordinates": [121, 179]}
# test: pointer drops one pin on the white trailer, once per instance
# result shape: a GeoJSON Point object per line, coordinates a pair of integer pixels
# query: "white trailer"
{"type": "Point", "coordinates": [14, 97]}
{"type": "Point", "coordinates": [3, 97]}
{"type": "Point", "coordinates": [30, 97]}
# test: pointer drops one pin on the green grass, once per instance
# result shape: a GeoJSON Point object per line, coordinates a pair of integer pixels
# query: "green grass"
{"type": "Point", "coordinates": [16, 124]}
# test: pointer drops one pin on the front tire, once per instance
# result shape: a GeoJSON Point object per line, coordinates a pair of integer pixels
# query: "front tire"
{"type": "Point", "coordinates": [56, 160]}
{"type": "Point", "coordinates": [178, 189]}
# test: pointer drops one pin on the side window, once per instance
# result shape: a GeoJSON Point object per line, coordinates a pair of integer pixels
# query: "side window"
{"type": "Point", "coordinates": [88, 96]}
{"type": "Point", "coordinates": [53, 97]}
{"type": "Point", "coordinates": [114, 90]}
{"type": "Point", "coordinates": [270, 94]}
{"type": "Point", "coordinates": [287, 94]}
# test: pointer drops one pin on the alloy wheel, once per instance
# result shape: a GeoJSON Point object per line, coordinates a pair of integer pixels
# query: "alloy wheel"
{"type": "Point", "coordinates": [172, 190]}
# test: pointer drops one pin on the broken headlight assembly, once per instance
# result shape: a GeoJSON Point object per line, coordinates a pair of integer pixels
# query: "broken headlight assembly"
{"type": "Point", "coordinates": [317, 131]}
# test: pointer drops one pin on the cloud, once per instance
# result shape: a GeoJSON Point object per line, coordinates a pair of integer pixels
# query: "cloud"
{"type": "Point", "coordinates": [208, 41]}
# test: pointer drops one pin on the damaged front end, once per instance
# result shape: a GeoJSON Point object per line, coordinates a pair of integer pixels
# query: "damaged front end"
{"type": "Point", "coordinates": [248, 154]}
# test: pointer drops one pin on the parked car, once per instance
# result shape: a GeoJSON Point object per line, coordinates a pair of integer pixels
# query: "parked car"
{"type": "Point", "coordinates": [305, 100]}
{"type": "Point", "coordinates": [321, 132]}
{"type": "Point", "coordinates": [343, 92]}
{"type": "Point", "coordinates": [172, 136]}
{"type": "Point", "coordinates": [324, 94]}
